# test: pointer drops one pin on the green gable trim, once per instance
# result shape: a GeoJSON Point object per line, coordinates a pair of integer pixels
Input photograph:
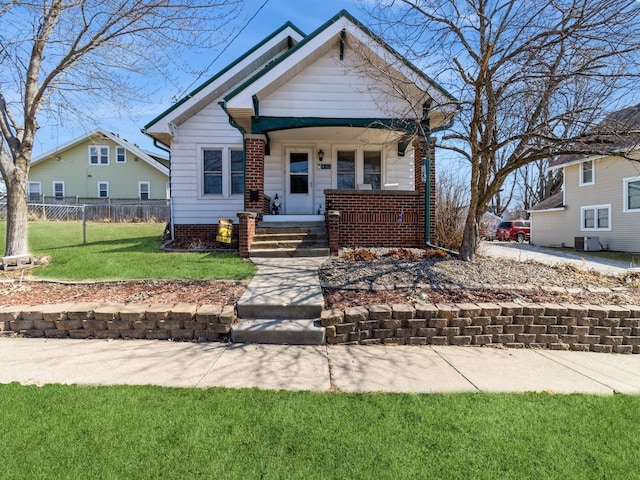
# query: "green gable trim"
{"type": "Point", "coordinates": [308, 38]}
{"type": "Point", "coordinates": [263, 125]}
{"type": "Point", "coordinates": [227, 68]}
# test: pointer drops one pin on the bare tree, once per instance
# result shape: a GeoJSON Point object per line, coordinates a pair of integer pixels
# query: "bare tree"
{"type": "Point", "coordinates": [533, 78]}
{"type": "Point", "coordinates": [537, 182]}
{"type": "Point", "coordinates": [63, 57]}
{"type": "Point", "coordinates": [451, 207]}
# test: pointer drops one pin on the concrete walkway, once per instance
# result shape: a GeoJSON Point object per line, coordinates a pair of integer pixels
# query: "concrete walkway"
{"type": "Point", "coordinates": [283, 288]}
{"type": "Point", "coordinates": [524, 252]}
{"type": "Point", "coordinates": [319, 368]}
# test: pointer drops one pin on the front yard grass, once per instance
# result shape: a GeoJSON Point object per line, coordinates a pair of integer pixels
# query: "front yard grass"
{"type": "Point", "coordinates": [122, 251]}
{"type": "Point", "coordinates": [59, 431]}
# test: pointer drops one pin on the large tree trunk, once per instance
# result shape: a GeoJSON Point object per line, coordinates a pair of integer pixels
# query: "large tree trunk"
{"type": "Point", "coordinates": [17, 217]}
{"type": "Point", "coordinates": [469, 238]}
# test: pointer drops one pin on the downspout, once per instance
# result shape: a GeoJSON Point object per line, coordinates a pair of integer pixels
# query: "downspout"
{"type": "Point", "coordinates": [171, 217]}
{"type": "Point", "coordinates": [427, 188]}
{"type": "Point", "coordinates": [243, 132]}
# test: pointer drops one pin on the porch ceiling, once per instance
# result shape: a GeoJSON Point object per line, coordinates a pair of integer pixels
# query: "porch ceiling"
{"type": "Point", "coordinates": [337, 135]}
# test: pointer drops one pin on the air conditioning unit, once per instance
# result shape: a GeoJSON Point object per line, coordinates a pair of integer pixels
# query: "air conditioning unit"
{"type": "Point", "coordinates": [587, 244]}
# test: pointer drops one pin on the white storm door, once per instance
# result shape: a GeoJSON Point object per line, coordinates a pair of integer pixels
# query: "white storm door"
{"type": "Point", "coordinates": [299, 199]}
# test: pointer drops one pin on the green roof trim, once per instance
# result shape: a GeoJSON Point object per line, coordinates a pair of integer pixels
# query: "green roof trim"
{"type": "Point", "coordinates": [318, 31]}
{"type": "Point", "coordinates": [264, 125]}
{"type": "Point", "coordinates": [224, 70]}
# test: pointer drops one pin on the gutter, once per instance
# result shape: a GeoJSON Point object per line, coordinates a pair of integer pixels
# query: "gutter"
{"type": "Point", "coordinates": [163, 147]}
{"type": "Point", "coordinates": [427, 189]}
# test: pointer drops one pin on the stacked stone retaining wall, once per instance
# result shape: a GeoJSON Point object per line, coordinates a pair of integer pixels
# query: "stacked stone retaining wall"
{"type": "Point", "coordinates": [555, 326]}
{"type": "Point", "coordinates": [183, 321]}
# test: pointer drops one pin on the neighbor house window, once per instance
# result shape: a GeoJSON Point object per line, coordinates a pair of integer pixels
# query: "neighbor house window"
{"type": "Point", "coordinates": [223, 171]}
{"type": "Point", "coordinates": [121, 155]}
{"type": "Point", "coordinates": [103, 189]}
{"type": "Point", "coordinates": [586, 173]}
{"type": "Point", "coordinates": [596, 217]}
{"type": "Point", "coordinates": [144, 189]}
{"type": "Point", "coordinates": [631, 191]}
{"type": "Point", "coordinates": [34, 190]}
{"type": "Point", "coordinates": [58, 190]}
{"type": "Point", "coordinates": [346, 170]}
{"type": "Point", "coordinates": [373, 169]}
{"type": "Point", "coordinates": [98, 154]}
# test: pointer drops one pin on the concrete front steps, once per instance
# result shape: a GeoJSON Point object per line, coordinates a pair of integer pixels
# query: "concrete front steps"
{"type": "Point", "coordinates": [282, 304]}
{"type": "Point", "coordinates": [284, 237]}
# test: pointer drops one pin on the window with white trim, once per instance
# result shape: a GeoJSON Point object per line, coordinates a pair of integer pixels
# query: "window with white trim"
{"type": "Point", "coordinates": [372, 167]}
{"type": "Point", "coordinates": [223, 171]}
{"type": "Point", "coordinates": [99, 154]}
{"type": "Point", "coordinates": [103, 189]}
{"type": "Point", "coordinates": [631, 192]}
{"type": "Point", "coordinates": [121, 155]}
{"type": "Point", "coordinates": [58, 190]}
{"type": "Point", "coordinates": [346, 170]}
{"type": "Point", "coordinates": [34, 191]}
{"type": "Point", "coordinates": [144, 190]}
{"type": "Point", "coordinates": [595, 217]}
{"type": "Point", "coordinates": [587, 173]}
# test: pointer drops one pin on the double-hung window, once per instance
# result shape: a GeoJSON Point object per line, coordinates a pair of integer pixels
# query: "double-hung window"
{"type": "Point", "coordinates": [223, 171]}
{"type": "Point", "coordinates": [99, 154]}
{"type": "Point", "coordinates": [587, 174]}
{"type": "Point", "coordinates": [144, 190]}
{"type": "Point", "coordinates": [631, 192]}
{"type": "Point", "coordinates": [103, 189]}
{"type": "Point", "coordinates": [58, 190]}
{"type": "Point", "coordinates": [373, 169]}
{"type": "Point", "coordinates": [346, 169]}
{"type": "Point", "coordinates": [34, 190]}
{"type": "Point", "coordinates": [595, 217]}
{"type": "Point", "coordinates": [121, 155]}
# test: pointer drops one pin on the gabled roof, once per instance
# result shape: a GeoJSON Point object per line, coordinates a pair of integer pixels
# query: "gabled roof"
{"type": "Point", "coordinates": [263, 53]}
{"type": "Point", "coordinates": [555, 201]}
{"type": "Point", "coordinates": [619, 132]}
{"type": "Point", "coordinates": [239, 92]}
{"type": "Point", "coordinates": [96, 135]}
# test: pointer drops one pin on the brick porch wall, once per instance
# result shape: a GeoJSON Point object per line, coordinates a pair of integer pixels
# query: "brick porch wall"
{"type": "Point", "coordinates": [382, 218]}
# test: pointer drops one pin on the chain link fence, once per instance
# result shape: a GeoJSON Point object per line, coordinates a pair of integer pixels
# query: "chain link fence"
{"type": "Point", "coordinates": [95, 210]}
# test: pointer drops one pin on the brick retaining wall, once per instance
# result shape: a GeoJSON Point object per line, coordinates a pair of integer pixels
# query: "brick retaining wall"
{"type": "Point", "coordinates": [593, 328]}
{"type": "Point", "coordinates": [554, 326]}
{"type": "Point", "coordinates": [183, 321]}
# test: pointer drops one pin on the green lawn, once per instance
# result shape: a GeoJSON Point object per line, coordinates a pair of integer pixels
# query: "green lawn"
{"type": "Point", "coordinates": [60, 431]}
{"type": "Point", "coordinates": [122, 251]}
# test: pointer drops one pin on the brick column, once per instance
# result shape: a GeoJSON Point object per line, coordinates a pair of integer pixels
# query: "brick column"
{"type": "Point", "coordinates": [332, 220]}
{"type": "Point", "coordinates": [420, 149]}
{"type": "Point", "coordinates": [254, 172]}
{"type": "Point", "coordinates": [246, 232]}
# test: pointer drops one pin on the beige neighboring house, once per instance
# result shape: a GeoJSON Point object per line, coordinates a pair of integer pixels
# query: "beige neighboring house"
{"type": "Point", "coordinates": [99, 165]}
{"type": "Point", "coordinates": [599, 206]}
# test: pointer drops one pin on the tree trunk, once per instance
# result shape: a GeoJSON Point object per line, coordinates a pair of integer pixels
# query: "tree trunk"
{"type": "Point", "coordinates": [469, 239]}
{"type": "Point", "coordinates": [17, 217]}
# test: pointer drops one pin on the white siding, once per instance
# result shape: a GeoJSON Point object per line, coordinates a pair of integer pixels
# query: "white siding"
{"type": "Point", "coordinates": [333, 88]}
{"type": "Point", "coordinates": [555, 228]}
{"type": "Point", "coordinates": [209, 127]}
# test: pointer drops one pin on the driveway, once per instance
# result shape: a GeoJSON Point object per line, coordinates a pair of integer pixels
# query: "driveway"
{"type": "Point", "coordinates": [524, 252]}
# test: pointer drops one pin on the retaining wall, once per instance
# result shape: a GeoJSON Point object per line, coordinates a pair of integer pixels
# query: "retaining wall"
{"type": "Point", "coordinates": [555, 326]}
{"type": "Point", "coordinates": [183, 321]}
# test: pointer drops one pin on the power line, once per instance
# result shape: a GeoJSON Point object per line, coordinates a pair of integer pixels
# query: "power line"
{"type": "Point", "coordinates": [186, 90]}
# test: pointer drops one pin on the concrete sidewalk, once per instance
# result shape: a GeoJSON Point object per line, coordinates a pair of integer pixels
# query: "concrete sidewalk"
{"type": "Point", "coordinates": [318, 368]}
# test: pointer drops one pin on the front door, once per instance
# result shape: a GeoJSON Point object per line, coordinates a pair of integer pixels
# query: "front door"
{"type": "Point", "coordinates": [299, 199]}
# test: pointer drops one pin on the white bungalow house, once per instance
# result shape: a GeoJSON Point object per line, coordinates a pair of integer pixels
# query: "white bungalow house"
{"type": "Point", "coordinates": [599, 206]}
{"type": "Point", "coordinates": [99, 164]}
{"type": "Point", "coordinates": [305, 125]}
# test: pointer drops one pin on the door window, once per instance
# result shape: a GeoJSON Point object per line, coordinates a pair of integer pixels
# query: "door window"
{"type": "Point", "coordinates": [299, 173]}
